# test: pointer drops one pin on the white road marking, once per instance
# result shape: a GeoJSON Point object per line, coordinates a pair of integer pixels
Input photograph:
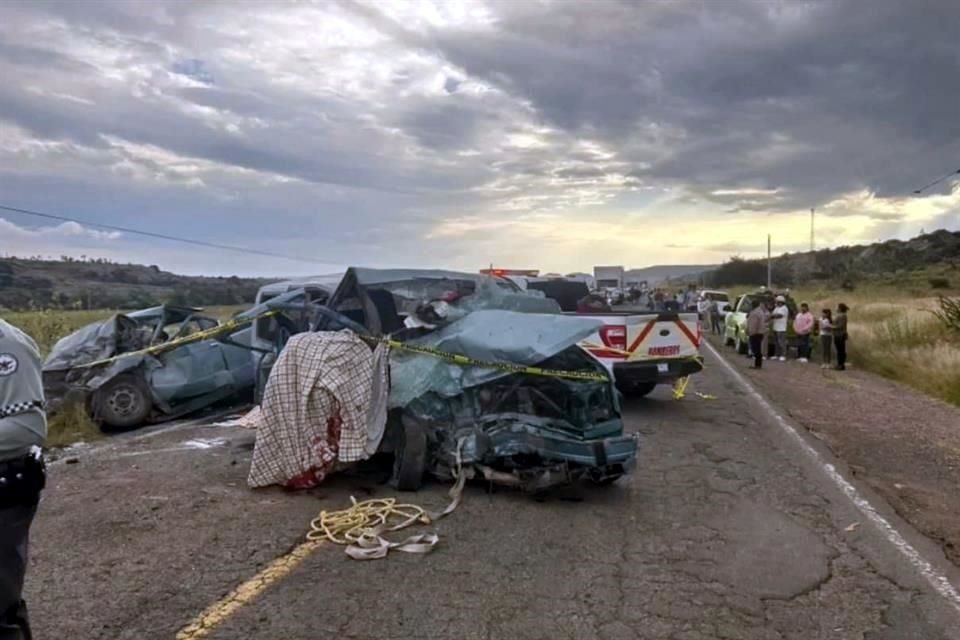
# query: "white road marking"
{"type": "Point", "coordinates": [937, 580]}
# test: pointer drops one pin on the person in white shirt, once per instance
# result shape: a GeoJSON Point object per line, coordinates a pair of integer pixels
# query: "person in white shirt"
{"type": "Point", "coordinates": [780, 316]}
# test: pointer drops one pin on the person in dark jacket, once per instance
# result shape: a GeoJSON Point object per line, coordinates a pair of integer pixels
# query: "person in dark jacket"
{"type": "Point", "coordinates": [756, 330]}
{"type": "Point", "coordinates": [23, 430]}
{"type": "Point", "coordinates": [840, 336]}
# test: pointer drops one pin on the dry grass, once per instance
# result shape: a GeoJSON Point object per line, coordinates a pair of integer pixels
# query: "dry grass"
{"type": "Point", "coordinates": [71, 424]}
{"type": "Point", "coordinates": [894, 333]}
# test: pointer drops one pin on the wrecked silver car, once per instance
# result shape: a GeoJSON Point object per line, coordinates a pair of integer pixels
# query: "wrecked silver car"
{"type": "Point", "coordinates": [129, 391]}
{"type": "Point", "coordinates": [484, 375]}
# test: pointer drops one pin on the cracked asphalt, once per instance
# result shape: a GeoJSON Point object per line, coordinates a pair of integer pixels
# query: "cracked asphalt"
{"type": "Point", "coordinates": [724, 530]}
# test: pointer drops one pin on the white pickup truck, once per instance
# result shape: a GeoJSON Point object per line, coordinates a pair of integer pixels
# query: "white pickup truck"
{"type": "Point", "coordinates": [642, 350]}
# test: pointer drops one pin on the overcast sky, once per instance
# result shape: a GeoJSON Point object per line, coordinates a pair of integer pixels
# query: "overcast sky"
{"type": "Point", "coordinates": [554, 135]}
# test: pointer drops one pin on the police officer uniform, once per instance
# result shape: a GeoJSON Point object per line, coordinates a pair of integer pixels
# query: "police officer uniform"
{"type": "Point", "coordinates": [23, 430]}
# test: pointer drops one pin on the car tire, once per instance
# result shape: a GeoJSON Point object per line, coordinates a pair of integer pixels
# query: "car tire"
{"type": "Point", "coordinates": [728, 341]}
{"type": "Point", "coordinates": [123, 402]}
{"type": "Point", "coordinates": [741, 346]}
{"type": "Point", "coordinates": [637, 390]}
{"type": "Point", "coordinates": [608, 480]}
{"type": "Point", "coordinates": [410, 457]}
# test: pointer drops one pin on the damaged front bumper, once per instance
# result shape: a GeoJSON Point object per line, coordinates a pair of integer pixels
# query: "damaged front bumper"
{"type": "Point", "coordinates": [528, 453]}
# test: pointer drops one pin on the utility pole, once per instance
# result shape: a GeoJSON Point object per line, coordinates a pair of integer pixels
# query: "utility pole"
{"type": "Point", "coordinates": [812, 210]}
{"type": "Point", "coordinates": [769, 266]}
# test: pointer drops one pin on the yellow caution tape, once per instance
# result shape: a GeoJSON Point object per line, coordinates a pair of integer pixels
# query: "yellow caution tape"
{"type": "Point", "coordinates": [460, 359]}
{"type": "Point", "coordinates": [455, 358]}
{"type": "Point", "coordinates": [226, 327]}
{"type": "Point", "coordinates": [680, 388]}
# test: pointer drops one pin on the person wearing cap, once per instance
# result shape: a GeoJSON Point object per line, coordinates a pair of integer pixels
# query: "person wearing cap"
{"type": "Point", "coordinates": [23, 430]}
{"type": "Point", "coordinates": [780, 317]}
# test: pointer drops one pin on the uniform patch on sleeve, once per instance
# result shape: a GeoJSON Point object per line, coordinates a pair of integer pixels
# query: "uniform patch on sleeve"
{"type": "Point", "coordinates": [8, 364]}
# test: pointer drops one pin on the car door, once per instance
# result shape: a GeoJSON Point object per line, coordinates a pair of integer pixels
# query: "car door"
{"type": "Point", "coordinates": [192, 370]}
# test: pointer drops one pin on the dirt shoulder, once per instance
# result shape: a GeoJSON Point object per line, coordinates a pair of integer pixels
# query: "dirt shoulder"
{"type": "Point", "coordinates": [904, 444]}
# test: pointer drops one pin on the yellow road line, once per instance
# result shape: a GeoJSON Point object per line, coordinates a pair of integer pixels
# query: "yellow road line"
{"type": "Point", "coordinates": [217, 613]}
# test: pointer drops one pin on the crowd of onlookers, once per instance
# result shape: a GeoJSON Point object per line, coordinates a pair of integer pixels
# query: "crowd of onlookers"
{"type": "Point", "coordinates": [768, 329]}
{"type": "Point", "coordinates": [768, 322]}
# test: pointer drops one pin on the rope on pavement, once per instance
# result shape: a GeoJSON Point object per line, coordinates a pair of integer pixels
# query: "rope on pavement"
{"type": "Point", "coordinates": [360, 526]}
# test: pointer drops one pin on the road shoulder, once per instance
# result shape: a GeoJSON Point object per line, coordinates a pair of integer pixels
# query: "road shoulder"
{"type": "Point", "coordinates": [904, 445]}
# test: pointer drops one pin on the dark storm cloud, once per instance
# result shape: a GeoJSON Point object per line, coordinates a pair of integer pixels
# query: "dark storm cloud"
{"type": "Point", "coordinates": [743, 107]}
{"type": "Point", "coordinates": [860, 94]}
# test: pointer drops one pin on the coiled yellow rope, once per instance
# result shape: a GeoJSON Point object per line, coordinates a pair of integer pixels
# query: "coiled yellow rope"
{"type": "Point", "coordinates": [370, 517]}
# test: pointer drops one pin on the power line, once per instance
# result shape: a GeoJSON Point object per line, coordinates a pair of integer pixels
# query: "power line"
{"type": "Point", "coordinates": [161, 236]}
{"type": "Point", "coordinates": [935, 182]}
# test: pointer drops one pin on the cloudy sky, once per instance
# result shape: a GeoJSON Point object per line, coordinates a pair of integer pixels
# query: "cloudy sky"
{"type": "Point", "coordinates": [526, 133]}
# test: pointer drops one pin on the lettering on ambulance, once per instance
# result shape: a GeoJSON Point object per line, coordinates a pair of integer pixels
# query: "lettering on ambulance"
{"type": "Point", "coordinates": [672, 350]}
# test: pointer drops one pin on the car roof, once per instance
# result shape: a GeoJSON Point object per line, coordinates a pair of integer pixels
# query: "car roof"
{"type": "Point", "coordinates": [327, 282]}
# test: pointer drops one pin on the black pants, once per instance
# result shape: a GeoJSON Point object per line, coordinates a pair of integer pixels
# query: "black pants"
{"type": "Point", "coordinates": [756, 348]}
{"type": "Point", "coordinates": [717, 323]}
{"type": "Point", "coordinates": [803, 346]}
{"type": "Point", "coordinates": [14, 532]}
{"type": "Point", "coordinates": [840, 342]}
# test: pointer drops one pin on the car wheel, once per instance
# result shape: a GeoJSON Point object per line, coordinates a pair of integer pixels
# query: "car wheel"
{"type": "Point", "coordinates": [727, 340]}
{"type": "Point", "coordinates": [606, 477]}
{"type": "Point", "coordinates": [410, 457]}
{"type": "Point", "coordinates": [741, 345]}
{"type": "Point", "coordinates": [637, 390]}
{"type": "Point", "coordinates": [123, 402]}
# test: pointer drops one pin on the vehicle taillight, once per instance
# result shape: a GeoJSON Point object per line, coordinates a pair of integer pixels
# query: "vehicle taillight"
{"type": "Point", "coordinates": [614, 336]}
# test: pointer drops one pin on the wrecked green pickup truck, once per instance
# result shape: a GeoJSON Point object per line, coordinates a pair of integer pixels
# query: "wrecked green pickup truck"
{"type": "Point", "coordinates": [517, 427]}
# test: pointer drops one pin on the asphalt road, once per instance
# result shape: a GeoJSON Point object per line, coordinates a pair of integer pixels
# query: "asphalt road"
{"type": "Point", "coordinates": [727, 529]}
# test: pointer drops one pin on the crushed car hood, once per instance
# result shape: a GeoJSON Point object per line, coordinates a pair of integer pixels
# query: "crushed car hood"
{"type": "Point", "coordinates": [489, 335]}
{"type": "Point", "coordinates": [93, 342]}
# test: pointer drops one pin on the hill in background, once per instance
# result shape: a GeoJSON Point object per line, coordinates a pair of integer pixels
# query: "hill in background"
{"type": "Point", "coordinates": [936, 254]}
{"type": "Point", "coordinates": [99, 284]}
{"type": "Point", "coordinates": [663, 272]}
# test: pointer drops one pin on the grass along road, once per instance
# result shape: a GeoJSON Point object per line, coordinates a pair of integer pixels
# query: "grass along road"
{"type": "Point", "coordinates": [894, 333]}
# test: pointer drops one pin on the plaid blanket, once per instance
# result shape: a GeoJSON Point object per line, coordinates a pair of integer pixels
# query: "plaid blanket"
{"type": "Point", "coordinates": [325, 402]}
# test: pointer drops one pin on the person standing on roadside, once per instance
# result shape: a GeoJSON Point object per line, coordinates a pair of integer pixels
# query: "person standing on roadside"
{"type": "Point", "coordinates": [780, 316]}
{"type": "Point", "coordinates": [23, 430]}
{"type": "Point", "coordinates": [769, 344]}
{"type": "Point", "coordinates": [718, 316]}
{"type": "Point", "coordinates": [803, 326]}
{"type": "Point", "coordinates": [826, 339]}
{"type": "Point", "coordinates": [691, 298]}
{"type": "Point", "coordinates": [840, 336]}
{"type": "Point", "coordinates": [756, 330]}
